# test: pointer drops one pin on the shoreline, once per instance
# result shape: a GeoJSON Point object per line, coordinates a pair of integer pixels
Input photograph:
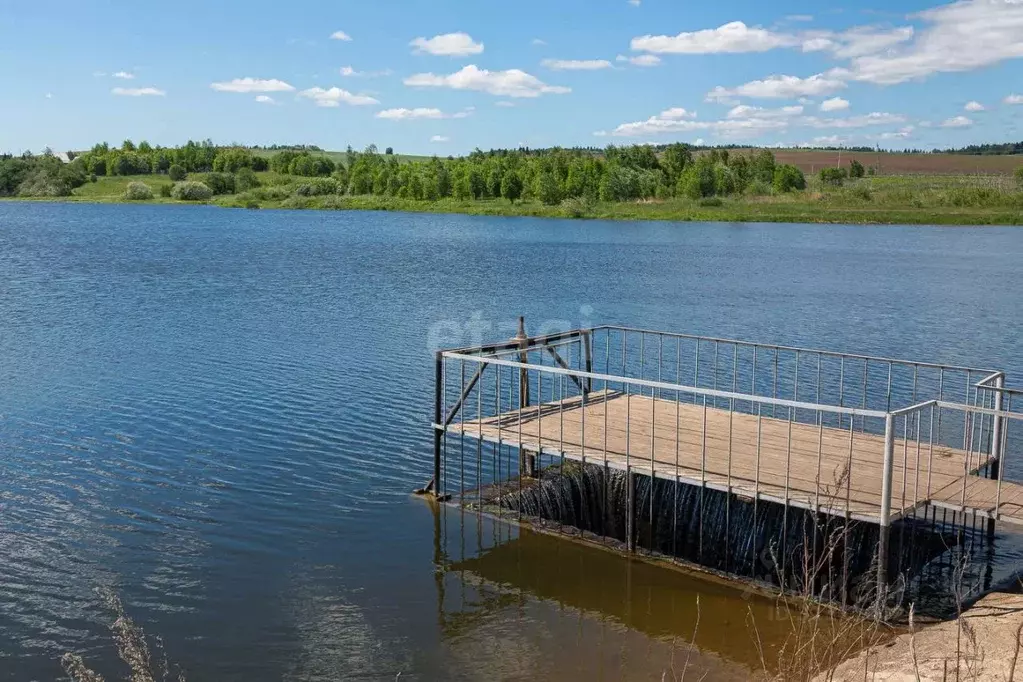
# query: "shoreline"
{"type": "Point", "coordinates": [735, 211]}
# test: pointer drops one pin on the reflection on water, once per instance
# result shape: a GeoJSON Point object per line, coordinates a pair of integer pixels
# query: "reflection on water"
{"type": "Point", "coordinates": [493, 571]}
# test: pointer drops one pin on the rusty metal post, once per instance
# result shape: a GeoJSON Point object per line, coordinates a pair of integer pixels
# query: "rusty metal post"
{"type": "Point", "coordinates": [438, 415]}
{"type": "Point", "coordinates": [527, 461]}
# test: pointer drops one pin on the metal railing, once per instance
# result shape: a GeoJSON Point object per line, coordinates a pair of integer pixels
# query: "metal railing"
{"type": "Point", "coordinates": [800, 427]}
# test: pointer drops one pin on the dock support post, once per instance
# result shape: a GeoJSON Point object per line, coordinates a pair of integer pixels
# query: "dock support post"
{"type": "Point", "coordinates": [587, 338]}
{"type": "Point", "coordinates": [438, 415]}
{"type": "Point", "coordinates": [886, 512]}
{"type": "Point", "coordinates": [527, 461]}
{"type": "Point", "coordinates": [994, 472]}
{"type": "Point", "coordinates": [630, 510]}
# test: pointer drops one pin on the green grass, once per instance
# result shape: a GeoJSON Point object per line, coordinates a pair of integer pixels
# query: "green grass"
{"type": "Point", "coordinates": [930, 200]}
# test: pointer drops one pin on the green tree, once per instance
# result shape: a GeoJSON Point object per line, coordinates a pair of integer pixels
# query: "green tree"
{"type": "Point", "coordinates": [788, 178]}
{"type": "Point", "coordinates": [545, 188]}
{"type": "Point", "coordinates": [856, 169]}
{"type": "Point", "coordinates": [833, 176]}
{"type": "Point", "coordinates": [176, 172]}
{"type": "Point", "coordinates": [511, 186]}
{"type": "Point", "coordinates": [697, 181]}
{"type": "Point", "coordinates": [674, 160]}
{"type": "Point", "coordinates": [245, 179]}
{"type": "Point", "coordinates": [220, 183]}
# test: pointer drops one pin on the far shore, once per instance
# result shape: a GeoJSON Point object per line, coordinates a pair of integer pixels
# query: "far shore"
{"type": "Point", "coordinates": [740, 210]}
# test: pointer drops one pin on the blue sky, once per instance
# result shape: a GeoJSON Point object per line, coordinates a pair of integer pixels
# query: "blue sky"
{"type": "Point", "coordinates": [443, 77]}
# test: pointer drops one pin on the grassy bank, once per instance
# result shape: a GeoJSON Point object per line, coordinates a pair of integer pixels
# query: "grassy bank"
{"type": "Point", "coordinates": [930, 200]}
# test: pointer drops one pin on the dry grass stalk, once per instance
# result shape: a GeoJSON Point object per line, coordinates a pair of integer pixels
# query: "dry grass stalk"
{"type": "Point", "coordinates": [132, 647]}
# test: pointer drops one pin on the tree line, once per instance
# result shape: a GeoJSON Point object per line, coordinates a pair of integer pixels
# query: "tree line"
{"type": "Point", "coordinates": [549, 176]}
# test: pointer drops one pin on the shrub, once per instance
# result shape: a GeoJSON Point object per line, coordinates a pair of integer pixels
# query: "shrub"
{"type": "Point", "coordinates": [788, 178]}
{"type": "Point", "coordinates": [711, 202]}
{"type": "Point", "coordinates": [245, 179]}
{"type": "Point", "coordinates": [861, 192]}
{"type": "Point", "coordinates": [833, 176]}
{"type": "Point", "coordinates": [177, 173]}
{"type": "Point", "coordinates": [165, 190]}
{"type": "Point", "coordinates": [220, 183]}
{"type": "Point", "coordinates": [856, 169]}
{"type": "Point", "coordinates": [138, 191]}
{"type": "Point", "coordinates": [317, 187]}
{"type": "Point", "coordinates": [577, 207]}
{"type": "Point", "coordinates": [272, 193]}
{"type": "Point", "coordinates": [758, 188]}
{"type": "Point", "coordinates": [191, 191]}
{"type": "Point", "coordinates": [1019, 177]}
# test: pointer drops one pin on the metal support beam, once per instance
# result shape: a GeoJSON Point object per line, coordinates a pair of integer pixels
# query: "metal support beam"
{"type": "Point", "coordinates": [453, 412]}
{"type": "Point", "coordinates": [995, 472]}
{"type": "Point", "coordinates": [886, 510]}
{"type": "Point", "coordinates": [580, 383]}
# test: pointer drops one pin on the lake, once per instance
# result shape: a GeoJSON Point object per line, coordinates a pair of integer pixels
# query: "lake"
{"type": "Point", "coordinates": [219, 415]}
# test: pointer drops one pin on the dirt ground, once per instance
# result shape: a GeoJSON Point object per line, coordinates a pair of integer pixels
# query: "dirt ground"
{"type": "Point", "coordinates": [981, 646]}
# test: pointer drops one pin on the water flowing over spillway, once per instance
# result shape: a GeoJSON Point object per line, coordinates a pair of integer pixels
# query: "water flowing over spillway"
{"type": "Point", "coordinates": [767, 542]}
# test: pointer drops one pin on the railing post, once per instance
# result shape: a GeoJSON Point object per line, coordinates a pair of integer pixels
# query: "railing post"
{"type": "Point", "coordinates": [588, 360]}
{"type": "Point", "coordinates": [995, 471]}
{"type": "Point", "coordinates": [527, 462]}
{"type": "Point", "coordinates": [438, 415]}
{"type": "Point", "coordinates": [886, 510]}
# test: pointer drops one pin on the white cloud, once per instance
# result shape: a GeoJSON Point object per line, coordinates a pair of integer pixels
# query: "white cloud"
{"type": "Point", "coordinates": [835, 104]}
{"type": "Point", "coordinates": [799, 17]}
{"type": "Point", "coordinates": [974, 106]}
{"type": "Point", "coordinates": [871, 119]}
{"type": "Point", "coordinates": [138, 92]}
{"type": "Point", "coordinates": [635, 3]}
{"type": "Point", "coordinates": [341, 35]}
{"type": "Point", "coordinates": [746, 111]}
{"type": "Point", "coordinates": [124, 75]}
{"type": "Point", "coordinates": [49, 95]}
{"type": "Point", "coordinates": [640, 60]}
{"type": "Point", "coordinates": [421, 113]}
{"type": "Point", "coordinates": [538, 41]}
{"type": "Point", "coordinates": [828, 141]}
{"type": "Point", "coordinates": [961, 36]}
{"type": "Point", "coordinates": [335, 97]}
{"type": "Point", "coordinates": [440, 138]}
{"type": "Point", "coordinates": [900, 134]}
{"type": "Point", "coordinates": [679, 120]}
{"type": "Point", "coordinates": [957, 122]}
{"type": "Point", "coordinates": [818, 44]}
{"type": "Point", "coordinates": [576, 64]}
{"type": "Point", "coordinates": [504, 103]}
{"type": "Point", "coordinates": [780, 87]}
{"type": "Point", "coordinates": [351, 72]}
{"type": "Point", "coordinates": [866, 40]}
{"type": "Point", "coordinates": [1014, 99]}
{"type": "Point", "coordinates": [734, 37]}
{"type": "Point", "coordinates": [511, 83]}
{"type": "Point", "coordinates": [676, 114]}
{"type": "Point", "coordinates": [99, 74]}
{"type": "Point", "coordinates": [448, 45]}
{"type": "Point", "coordinates": [407, 114]}
{"type": "Point", "coordinates": [252, 85]}
{"type": "Point", "coordinates": [265, 99]}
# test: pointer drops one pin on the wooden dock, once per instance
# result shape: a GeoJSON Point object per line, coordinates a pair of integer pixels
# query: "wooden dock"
{"type": "Point", "coordinates": [810, 466]}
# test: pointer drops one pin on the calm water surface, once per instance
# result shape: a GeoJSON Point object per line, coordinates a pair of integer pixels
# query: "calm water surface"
{"type": "Point", "coordinates": [220, 414]}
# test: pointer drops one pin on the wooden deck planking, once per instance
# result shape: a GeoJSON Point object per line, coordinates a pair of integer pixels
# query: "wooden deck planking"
{"type": "Point", "coordinates": [767, 457]}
